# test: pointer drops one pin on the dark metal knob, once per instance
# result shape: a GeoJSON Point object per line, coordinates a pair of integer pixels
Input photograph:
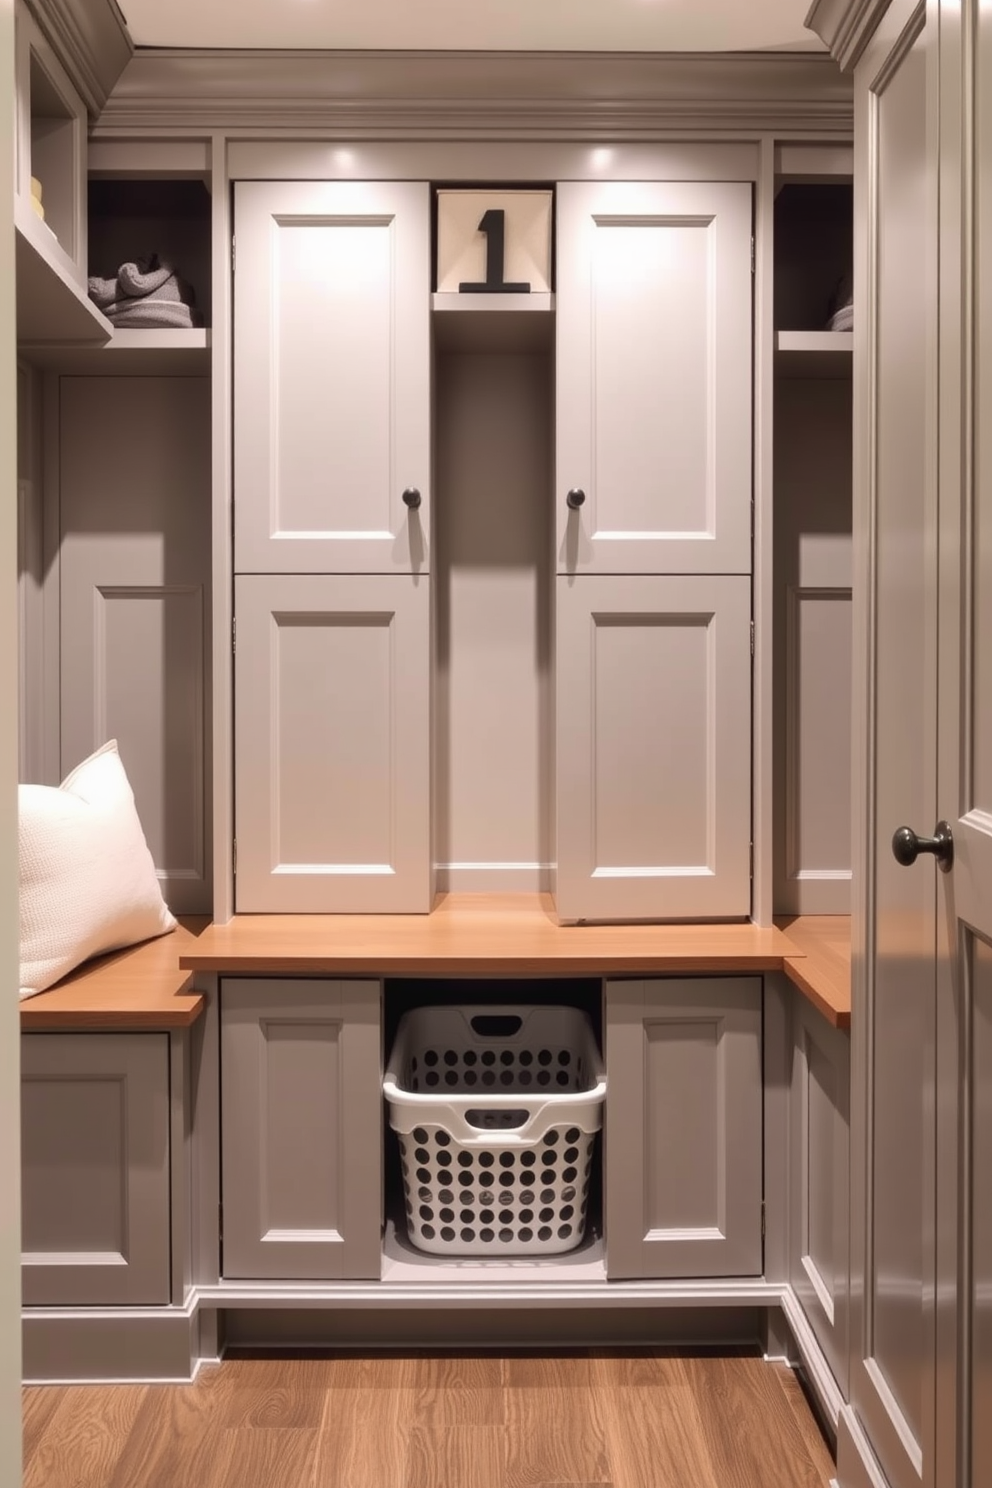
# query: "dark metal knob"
{"type": "Point", "coordinates": [906, 846]}
{"type": "Point", "coordinates": [411, 497]}
{"type": "Point", "coordinates": [575, 498]}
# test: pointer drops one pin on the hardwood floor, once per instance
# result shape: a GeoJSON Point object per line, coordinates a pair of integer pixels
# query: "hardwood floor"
{"type": "Point", "coordinates": [586, 1419]}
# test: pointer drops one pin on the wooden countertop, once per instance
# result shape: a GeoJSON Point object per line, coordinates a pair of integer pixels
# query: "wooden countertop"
{"type": "Point", "coordinates": [822, 970]}
{"type": "Point", "coordinates": [478, 935]}
{"type": "Point", "coordinates": [142, 987]}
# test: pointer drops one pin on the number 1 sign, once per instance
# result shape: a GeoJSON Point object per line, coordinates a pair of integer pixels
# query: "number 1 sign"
{"type": "Point", "coordinates": [493, 242]}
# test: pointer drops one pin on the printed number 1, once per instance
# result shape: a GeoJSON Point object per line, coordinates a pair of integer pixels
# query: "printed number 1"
{"type": "Point", "coordinates": [493, 224]}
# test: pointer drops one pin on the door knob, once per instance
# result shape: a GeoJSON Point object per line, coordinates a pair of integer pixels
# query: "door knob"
{"type": "Point", "coordinates": [575, 498]}
{"type": "Point", "coordinates": [906, 846]}
{"type": "Point", "coordinates": [411, 497]}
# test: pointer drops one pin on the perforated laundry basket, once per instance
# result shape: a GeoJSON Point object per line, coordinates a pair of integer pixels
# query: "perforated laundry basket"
{"type": "Point", "coordinates": [496, 1110]}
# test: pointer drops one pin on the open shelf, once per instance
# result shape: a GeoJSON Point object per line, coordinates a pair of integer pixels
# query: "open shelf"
{"type": "Point", "coordinates": [484, 322]}
{"type": "Point", "coordinates": [402, 1264]}
{"type": "Point", "coordinates": [52, 304]}
{"type": "Point", "coordinates": [129, 354]}
{"type": "Point", "coordinates": [813, 353]}
{"type": "Point", "coordinates": [132, 219]}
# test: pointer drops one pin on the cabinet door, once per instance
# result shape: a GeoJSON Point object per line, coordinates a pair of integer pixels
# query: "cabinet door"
{"type": "Point", "coordinates": [302, 1129]}
{"type": "Point", "coordinates": [332, 724]}
{"type": "Point", "coordinates": [95, 1169]}
{"type": "Point", "coordinates": [331, 376]}
{"type": "Point", "coordinates": [683, 1154]}
{"type": "Point", "coordinates": [654, 377]}
{"type": "Point", "coordinates": [653, 766]}
{"type": "Point", "coordinates": [135, 604]}
{"type": "Point", "coordinates": [819, 1126]}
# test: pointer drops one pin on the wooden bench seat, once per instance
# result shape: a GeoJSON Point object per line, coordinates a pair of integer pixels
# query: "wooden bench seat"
{"type": "Point", "coordinates": [141, 988]}
{"type": "Point", "coordinates": [822, 969]}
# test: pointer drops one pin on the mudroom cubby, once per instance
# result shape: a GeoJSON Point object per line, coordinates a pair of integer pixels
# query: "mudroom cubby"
{"type": "Point", "coordinates": [133, 219]}
{"type": "Point", "coordinates": [813, 545]}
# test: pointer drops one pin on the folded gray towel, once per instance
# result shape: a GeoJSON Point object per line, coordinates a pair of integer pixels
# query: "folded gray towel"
{"type": "Point", "coordinates": [152, 314]}
{"type": "Point", "coordinates": [143, 276]}
{"type": "Point", "coordinates": [102, 292]}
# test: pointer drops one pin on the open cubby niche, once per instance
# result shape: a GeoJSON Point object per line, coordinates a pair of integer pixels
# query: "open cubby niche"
{"type": "Point", "coordinates": [55, 124]}
{"type": "Point", "coordinates": [131, 219]}
{"type": "Point", "coordinates": [402, 1260]}
{"type": "Point", "coordinates": [814, 237]}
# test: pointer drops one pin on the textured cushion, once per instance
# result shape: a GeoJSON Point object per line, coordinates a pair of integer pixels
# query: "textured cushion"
{"type": "Point", "coordinates": [87, 880]}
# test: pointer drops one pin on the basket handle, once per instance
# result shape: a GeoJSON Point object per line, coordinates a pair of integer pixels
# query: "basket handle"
{"type": "Point", "coordinates": [491, 1120]}
{"type": "Point", "coordinates": [496, 1025]}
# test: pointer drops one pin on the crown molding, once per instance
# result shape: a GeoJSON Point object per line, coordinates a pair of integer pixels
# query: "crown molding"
{"type": "Point", "coordinates": [474, 95]}
{"type": "Point", "coordinates": [846, 26]}
{"type": "Point", "coordinates": [90, 39]}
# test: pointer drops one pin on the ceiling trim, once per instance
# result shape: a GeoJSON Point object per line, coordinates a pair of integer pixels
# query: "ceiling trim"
{"type": "Point", "coordinates": [90, 39]}
{"type": "Point", "coordinates": [510, 95]}
{"type": "Point", "coordinates": [846, 26]}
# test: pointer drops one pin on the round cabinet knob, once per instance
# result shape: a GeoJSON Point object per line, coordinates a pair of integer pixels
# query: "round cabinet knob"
{"type": "Point", "coordinates": [411, 497]}
{"type": "Point", "coordinates": [906, 846]}
{"type": "Point", "coordinates": [575, 498]}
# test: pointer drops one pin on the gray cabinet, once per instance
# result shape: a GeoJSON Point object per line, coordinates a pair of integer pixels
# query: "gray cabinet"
{"type": "Point", "coordinates": [654, 779]}
{"type": "Point", "coordinates": [819, 1160]}
{"type": "Point", "coordinates": [332, 740]}
{"type": "Point", "coordinates": [95, 1169]}
{"type": "Point", "coordinates": [683, 1153]}
{"type": "Point", "coordinates": [301, 1140]}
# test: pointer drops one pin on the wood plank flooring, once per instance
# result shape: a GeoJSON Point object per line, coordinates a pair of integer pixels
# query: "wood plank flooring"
{"type": "Point", "coordinates": [586, 1419]}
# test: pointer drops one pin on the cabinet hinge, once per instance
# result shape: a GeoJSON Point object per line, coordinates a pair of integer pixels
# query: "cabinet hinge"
{"type": "Point", "coordinates": [752, 637]}
{"type": "Point", "coordinates": [752, 253]}
{"type": "Point", "coordinates": [234, 252]}
{"type": "Point", "coordinates": [220, 1222]}
{"type": "Point", "coordinates": [750, 860]}
{"type": "Point", "coordinates": [234, 635]}
{"type": "Point", "coordinates": [762, 1219]}
{"type": "Point", "coordinates": [234, 855]}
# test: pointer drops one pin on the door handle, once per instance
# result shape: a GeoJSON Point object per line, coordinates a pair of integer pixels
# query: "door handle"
{"type": "Point", "coordinates": [906, 846]}
{"type": "Point", "coordinates": [575, 499]}
{"type": "Point", "coordinates": [411, 497]}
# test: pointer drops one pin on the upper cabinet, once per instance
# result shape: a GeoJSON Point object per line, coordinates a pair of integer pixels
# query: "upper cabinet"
{"type": "Point", "coordinates": [331, 377]}
{"type": "Point", "coordinates": [654, 378]}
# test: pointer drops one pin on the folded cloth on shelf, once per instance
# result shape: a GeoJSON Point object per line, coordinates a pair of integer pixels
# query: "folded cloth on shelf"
{"type": "Point", "coordinates": [148, 293]}
{"type": "Point", "coordinates": [842, 320]}
{"type": "Point", "coordinates": [152, 314]}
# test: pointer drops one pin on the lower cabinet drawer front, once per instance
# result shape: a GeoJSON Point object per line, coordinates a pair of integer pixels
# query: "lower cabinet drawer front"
{"type": "Point", "coordinates": [95, 1169]}
{"type": "Point", "coordinates": [683, 1152]}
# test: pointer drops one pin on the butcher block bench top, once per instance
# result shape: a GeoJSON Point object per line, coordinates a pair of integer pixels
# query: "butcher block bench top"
{"type": "Point", "coordinates": [141, 988]}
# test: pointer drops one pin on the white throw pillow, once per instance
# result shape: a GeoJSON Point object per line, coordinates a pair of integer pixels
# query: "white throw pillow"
{"type": "Point", "coordinates": [87, 880]}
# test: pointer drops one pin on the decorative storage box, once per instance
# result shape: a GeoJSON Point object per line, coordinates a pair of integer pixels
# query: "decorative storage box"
{"type": "Point", "coordinates": [497, 1110]}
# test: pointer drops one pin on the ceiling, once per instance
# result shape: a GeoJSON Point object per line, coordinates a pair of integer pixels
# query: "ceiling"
{"type": "Point", "coordinates": [487, 25]}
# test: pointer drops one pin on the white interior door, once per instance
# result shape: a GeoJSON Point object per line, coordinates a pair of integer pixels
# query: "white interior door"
{"type": "Point", "coordinates": [895, 906]}
{"type": "Point", "coordinates": [654, 377]}
{"type": "Point", "coordinates": [331, 376]}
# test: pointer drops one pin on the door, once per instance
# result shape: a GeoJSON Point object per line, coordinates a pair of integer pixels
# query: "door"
{"type": "Point", "coordinates": [332, 738]}
{"type": "Point", "coordinates": [892, 1040]}
{"type": "Point", "coordinates": [301, 1129]}
{"type": "Point", "coordinates": [331, 377]}
{"type": "Point", "coordinates": [683, 1137]}
{"type": "Point", "coordinates": [653, 760]}
{"type": "Point", "coordinates": [654, 377]}
{"type": "Point", "coordinates": [964, 801]}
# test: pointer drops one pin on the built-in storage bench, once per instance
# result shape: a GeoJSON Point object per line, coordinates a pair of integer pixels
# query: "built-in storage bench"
{"type": "Point", "coordinates": [105, 1134]}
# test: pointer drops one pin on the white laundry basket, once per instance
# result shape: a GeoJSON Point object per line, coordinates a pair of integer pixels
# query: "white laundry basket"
{"type": "Point", "coordinates": [496, 1110]}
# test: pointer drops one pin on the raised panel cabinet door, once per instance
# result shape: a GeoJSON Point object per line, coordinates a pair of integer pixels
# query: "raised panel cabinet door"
{"type": "Point", "coordinates": [654, 377]}
{"type": "Point", "coordinates": [653, 751]}
{"type": "Point", "coordinates": [683, 1154]}
{"type": "Point", "coordinates": [819, 1223]}
{"type": "Point", "coordinates": [95, 1169]}
{"type": "Point", "coordinates": [134, 580]}
{"type": "Point", "coordinates": [332, 740]}
{"type": "Point", "coordinates": [301, 1116]}
{"type": "Point", "coordinates": [331, 376]}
